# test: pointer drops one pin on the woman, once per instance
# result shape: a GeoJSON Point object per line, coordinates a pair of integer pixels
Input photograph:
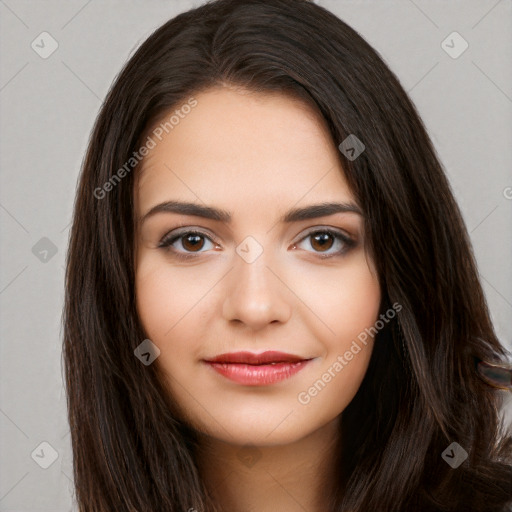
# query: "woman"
{"type": "Point", "coordinates": [271, 297]}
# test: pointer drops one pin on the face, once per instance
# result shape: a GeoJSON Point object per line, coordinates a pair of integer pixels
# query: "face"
{"type": "Point", "coordinates": [266, 272]}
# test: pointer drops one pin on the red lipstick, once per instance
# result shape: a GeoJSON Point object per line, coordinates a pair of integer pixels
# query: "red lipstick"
{"type": "Point", "coordinates": [257, 369]}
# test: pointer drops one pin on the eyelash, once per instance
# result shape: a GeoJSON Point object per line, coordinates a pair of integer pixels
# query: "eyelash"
{"type": "Point", "coordinates": [168, 240]}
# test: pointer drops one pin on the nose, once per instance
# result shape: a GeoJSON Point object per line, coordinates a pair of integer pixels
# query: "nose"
{"type": "Point", "coordinates": [256, 295]}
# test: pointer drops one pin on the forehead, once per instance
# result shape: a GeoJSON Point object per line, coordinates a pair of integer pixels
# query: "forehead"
{"type": "Point", "coordinates": [235, 145]}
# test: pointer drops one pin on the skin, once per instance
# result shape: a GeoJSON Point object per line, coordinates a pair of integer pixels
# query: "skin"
{"type": "Point", "coordinates": [257, 156]}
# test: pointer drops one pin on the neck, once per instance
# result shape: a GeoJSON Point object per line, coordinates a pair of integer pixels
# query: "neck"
{"type": "Point", "coordinates": [294, 477]}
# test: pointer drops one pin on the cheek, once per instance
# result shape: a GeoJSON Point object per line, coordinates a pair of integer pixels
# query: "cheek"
{"type": "Point", "coordinates": [153, 299]}
{"type": "Point", "coordinates": [173, 307]}
{"type": "Point", "coordinates": [346, 301]}
{"type": "Point", "coordinates": [359, 303]}
{"type": "Point", "coordinates": [166, 296]}
{"type": "Point", "coordinates": [350, 307]}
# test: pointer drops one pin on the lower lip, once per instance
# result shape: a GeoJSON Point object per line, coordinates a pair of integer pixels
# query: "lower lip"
{"type": "Point", "coordinates": [258, 375]}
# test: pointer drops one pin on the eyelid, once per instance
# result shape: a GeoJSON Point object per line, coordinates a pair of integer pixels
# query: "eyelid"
{"type": "Point", "coordinates": [168, 239]}
{"type": "Point", "coordinates": [188, 229]}
{"type": "Point", "coordinates": [348, 241]}
{"type": "Point", "coordinates": [330, 229]}
{"type": "Point", "coordinates": [173, 235]}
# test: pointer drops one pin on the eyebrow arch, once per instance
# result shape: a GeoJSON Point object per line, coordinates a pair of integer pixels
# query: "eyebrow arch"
{"type": "Point", "coordinates": [208, 212]}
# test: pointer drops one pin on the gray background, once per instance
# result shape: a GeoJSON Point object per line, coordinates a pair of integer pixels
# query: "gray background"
{"type": "Point", "coordinates": [47, 110]}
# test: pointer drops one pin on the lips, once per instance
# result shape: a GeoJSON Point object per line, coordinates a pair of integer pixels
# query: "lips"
{"type": "Point", "coordinates": [268, 357]}
{"type": "Point", "coordinates": [257, 369]}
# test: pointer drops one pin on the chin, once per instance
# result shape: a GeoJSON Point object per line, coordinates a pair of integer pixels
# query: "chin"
{"type": "Point", "coordinates": [266, 430]}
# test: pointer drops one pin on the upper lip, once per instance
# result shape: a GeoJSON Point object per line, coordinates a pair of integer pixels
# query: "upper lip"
{"type": "Point", "coordinates": [270, 356]}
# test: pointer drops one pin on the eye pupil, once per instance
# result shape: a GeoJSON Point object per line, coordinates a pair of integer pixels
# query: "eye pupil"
{"type": "Point", "coordinates": [196, 238]}
{"type": "Point", "coordinates": [321, 238]}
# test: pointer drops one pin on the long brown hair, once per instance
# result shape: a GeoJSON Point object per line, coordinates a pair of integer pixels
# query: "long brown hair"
{"type": "Point", "coordinates": [421, 391]}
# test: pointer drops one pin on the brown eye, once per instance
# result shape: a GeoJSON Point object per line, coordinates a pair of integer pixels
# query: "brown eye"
{"type": "Point", "coordinates": [322, 241]}
{"type": "Point", "coordinates": [192, 242]}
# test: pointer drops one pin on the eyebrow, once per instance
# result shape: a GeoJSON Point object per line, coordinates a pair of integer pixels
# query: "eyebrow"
{"type": "Point", "coordinates": [209, 212]}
